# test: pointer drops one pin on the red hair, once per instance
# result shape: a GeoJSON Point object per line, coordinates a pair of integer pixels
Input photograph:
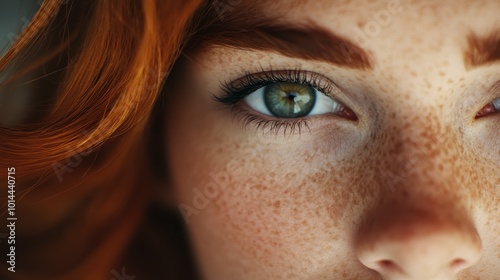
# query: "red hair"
{"type": "Point", "coordinates": [81, 167]}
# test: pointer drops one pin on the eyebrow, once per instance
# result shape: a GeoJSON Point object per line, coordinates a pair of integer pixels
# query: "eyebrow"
{"type": "Point", "coordinates": [482, 51]}
{"type": "Point", "coordinates": [304, 41]}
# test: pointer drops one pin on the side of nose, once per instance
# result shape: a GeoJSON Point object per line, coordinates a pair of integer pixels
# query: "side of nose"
{"type": "Point", "coordinates": [413, 242]}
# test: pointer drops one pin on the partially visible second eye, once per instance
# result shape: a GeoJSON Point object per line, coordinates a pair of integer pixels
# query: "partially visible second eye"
{"type": "Point", "coordinates": [295, 100]}
{"type": "Point", "coordinates": [490, 109]}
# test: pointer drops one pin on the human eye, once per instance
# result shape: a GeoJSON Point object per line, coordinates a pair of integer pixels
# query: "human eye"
{"type": "Point", "coordinates": [489, 109]}
{"type": "Point", "coordinates": [283, 99]}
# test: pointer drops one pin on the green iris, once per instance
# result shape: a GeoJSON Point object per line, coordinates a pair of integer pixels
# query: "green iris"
{"type": "Point", "coordinates": [287, 100]}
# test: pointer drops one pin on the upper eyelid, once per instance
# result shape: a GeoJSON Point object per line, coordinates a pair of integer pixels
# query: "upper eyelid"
{"type": "Point", "coordinates": [320, 82]}
{"type": "Point", "coordinates": [479, 92]}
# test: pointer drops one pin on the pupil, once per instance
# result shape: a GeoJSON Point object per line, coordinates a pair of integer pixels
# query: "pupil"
{"type": "Point", "coordinates": [291, 96]}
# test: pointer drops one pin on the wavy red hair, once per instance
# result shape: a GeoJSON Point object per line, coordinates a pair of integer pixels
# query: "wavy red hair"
{"type": "Point", "coordinates": [81, 167]}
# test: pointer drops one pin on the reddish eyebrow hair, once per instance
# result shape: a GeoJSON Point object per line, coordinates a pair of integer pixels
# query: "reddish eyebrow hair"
{"type": "Point", "coordinates": [246, 30]}
{"type": "Point", "coordinates": [482, 50]}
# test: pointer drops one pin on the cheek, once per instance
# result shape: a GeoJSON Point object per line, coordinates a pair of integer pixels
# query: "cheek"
{"type": "Point", "coordinates": [288, 206]}
{"type": "Point", "coordinates": [259, 204]}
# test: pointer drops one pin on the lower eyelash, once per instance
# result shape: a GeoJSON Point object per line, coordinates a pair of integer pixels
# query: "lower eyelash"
{"type": "Point", "coordinates": [288, 127]}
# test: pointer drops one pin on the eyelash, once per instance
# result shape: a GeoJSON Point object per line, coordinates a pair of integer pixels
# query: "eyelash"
{"type": "Point", "coordinates": [235, 91]}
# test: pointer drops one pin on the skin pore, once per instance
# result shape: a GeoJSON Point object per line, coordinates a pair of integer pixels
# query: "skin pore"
{"type": "Point", "coordinates": [408, 190]}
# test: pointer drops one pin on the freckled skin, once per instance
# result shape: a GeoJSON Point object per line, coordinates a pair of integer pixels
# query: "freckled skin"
{"type": "Point", "coordinates": [416, 173]}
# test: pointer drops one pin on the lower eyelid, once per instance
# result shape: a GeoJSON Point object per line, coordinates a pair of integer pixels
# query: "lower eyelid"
{"type": "Point", "coordinates": [246, 117]}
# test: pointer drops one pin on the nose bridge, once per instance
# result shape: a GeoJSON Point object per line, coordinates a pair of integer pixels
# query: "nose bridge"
{"type": "Point", "coordinates": [419, 156]}
{"type": "Point", "coordinates": [419, 226]}
{"type": "Point", "coordinates": [422, 178]}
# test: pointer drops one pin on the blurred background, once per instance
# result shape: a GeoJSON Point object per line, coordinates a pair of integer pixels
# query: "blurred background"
{"type": "Point", "coordinates": [14, 15]}
{"type": "Point", "coordinates": [15, 99]}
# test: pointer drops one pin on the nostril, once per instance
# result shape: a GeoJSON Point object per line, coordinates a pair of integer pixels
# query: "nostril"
{"type": "Point", "coordinates": [416, 244]}
{"type": "Point", "coordinates": [388, 266]}
{"type": "Point", "coordinates": [458, 264]}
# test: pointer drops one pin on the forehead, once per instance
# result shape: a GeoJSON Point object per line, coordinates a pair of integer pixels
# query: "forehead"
{"type": "Point", "coordinates": [336, 12]}
{"type": "Point", "coordinates": [416, 26]}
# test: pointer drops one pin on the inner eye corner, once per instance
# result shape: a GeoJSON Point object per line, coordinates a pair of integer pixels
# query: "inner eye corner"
{"type": "Point", "coordinates": [351, 115]}
{"type": "Point", "coordinates": [487, 111]}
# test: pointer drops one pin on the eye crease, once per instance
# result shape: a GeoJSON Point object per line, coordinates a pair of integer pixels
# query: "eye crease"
{"type": "Point", "coordinates": [491, 108]}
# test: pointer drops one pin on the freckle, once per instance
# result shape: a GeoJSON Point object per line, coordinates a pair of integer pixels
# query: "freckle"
{"type": "Point", "coordinates": [440, 167]}
{"type": "Point", "coordinates": [277, 207]}
{"type": "Point", "coordinates": [428, 84]}
{"type": "Point", "coordinates": [361, 24]}
{"type": "Point", "coordinates": [441, 73]}
{"type": "Point", "coordinates": [450, 81]}
{"type": "Point", "coordinates": [317, 212]}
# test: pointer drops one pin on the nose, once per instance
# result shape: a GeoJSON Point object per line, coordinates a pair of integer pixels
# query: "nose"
{"type": "Point", "coordinates": [417, 244]}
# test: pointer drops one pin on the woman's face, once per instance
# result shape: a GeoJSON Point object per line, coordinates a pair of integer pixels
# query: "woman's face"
{"type": "Point", "coordinates": [349, 140]}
